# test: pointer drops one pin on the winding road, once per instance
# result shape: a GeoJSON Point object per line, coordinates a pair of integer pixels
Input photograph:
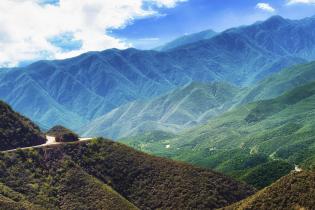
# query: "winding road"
{"type": "Point", "coordinates": [50, 141]}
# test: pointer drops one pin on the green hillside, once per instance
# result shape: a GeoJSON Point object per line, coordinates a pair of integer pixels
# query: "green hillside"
{"type": "Point", "coordinates": [295, 191]}
{"type": "Point", "coordinates": [240, 142]}
{"type": "Point", "coordinates": [16, 130]}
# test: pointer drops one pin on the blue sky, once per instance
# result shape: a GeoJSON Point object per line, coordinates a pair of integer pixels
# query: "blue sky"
{"type": "Point", "coordinates": [197, 15]}
{"type": "Point", "coordinates": [31, 30]}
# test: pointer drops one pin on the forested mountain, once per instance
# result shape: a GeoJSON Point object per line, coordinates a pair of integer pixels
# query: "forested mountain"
{"type": "Point", "coordinates": [249, 141]}
{"type": "Point", "coordinates": [74, 91]}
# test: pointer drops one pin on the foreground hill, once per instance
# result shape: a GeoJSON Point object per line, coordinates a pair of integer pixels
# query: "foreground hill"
{"type": "Point", "coordinates": [250, 141]}
{"type": "Point", "coordinates": [101, 174]}
{"type": "Point", "coordinates": [16, 130]}
{"type": "Point", "coordinates": [74, 91]}
{"type": "Point", "coordinates": [182, 108]}
{"type": "Point", "coordinates": [295, 191]}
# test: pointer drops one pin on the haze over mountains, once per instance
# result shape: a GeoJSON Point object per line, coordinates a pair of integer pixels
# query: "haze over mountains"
{"type": "Point", "coordinates": [75, 91]}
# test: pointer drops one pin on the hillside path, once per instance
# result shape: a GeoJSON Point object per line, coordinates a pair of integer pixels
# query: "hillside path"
{"type": "Point", "coordinates": [51, 140]}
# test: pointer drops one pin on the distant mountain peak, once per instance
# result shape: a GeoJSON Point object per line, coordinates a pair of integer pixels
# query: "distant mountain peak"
{"type": "Point", "coordinates": [275, 21]}
{"type": "Point", "coordinates": [188, 39]}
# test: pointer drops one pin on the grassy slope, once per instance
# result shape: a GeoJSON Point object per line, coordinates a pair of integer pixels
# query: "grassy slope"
{"type": "Point", "coordinates": [248, 137]}
{"type": "Point", "coordinates": [295, 191]}
{"type": "Point", "coordinates": [86, 175]}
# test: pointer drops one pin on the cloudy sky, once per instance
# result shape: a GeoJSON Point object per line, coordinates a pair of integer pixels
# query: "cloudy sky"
{"type": "Point", "coordinates": [54, 29]}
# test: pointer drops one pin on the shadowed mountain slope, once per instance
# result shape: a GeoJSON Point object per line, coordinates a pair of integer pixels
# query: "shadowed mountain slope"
{"type": "Point", "coordinates": [16, 130]}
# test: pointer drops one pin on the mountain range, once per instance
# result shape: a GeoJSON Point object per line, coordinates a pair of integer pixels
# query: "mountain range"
{"type": "Point", "coordinates": [194, 104]}
{"type": "Point", "coordinates": [76, 91]}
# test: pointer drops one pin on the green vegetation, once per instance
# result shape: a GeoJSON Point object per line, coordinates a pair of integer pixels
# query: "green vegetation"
{"type": "Point", "coordinates": [11, 200]}
{"type": "Point", "coordinates": [63, 134]}
{"type": "Point", "coordinates": [265, 174]}
{"type": "Point", "coordinates": [243, 141]}
{"type": "Point", "coordinates": [16, 130]}
{"type": "Point", "coordinates": [295, 191]}
{"type": "Point", "coordinates": [102, 174]}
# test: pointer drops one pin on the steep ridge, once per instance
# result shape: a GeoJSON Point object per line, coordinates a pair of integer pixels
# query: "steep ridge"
{"type": "Point", "coordinates": [73, 92]}
{"type": "Point", "coordinates": [184, 107]}
{"type": "Point", "coordinates": [87, 175]}
{"type": "Point", "coordinates": [16, 130]}
{"type": "Point", "coordinates": [294, 191]}
{"type": "Point", "coordinates": [187, 39]}
{"type": "Point", "coordinates": [280, 82]}
{"type": "Point", "coordinates": [248, 141]}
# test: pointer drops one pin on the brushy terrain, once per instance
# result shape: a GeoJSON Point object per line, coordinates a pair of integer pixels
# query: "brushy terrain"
{"type": "Point", "coordinates": [295, 191]}
{"type": "Point", "coordinates": [16, 130]}
{"type": "Point", "coordinates": [102, 174]}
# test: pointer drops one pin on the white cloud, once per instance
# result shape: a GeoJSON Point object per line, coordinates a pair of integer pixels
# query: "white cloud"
{"type": "Point", "coordinates": [266, 7]}
{"type": "Point", "coordinates": [290, 2]}
{"type": "Point", "coordinates": [27, 25]}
